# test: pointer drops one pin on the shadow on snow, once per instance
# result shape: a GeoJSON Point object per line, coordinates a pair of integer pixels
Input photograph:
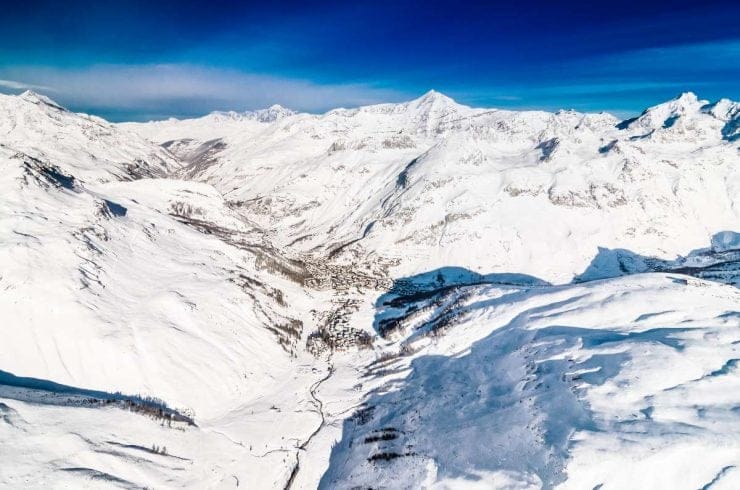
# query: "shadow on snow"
{"type": "Point", "coordinates": [42, 391]}
{"type": "Point", "coordinates": [511, 403]}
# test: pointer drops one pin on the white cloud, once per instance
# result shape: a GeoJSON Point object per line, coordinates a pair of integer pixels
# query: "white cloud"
{"type": "Point", "coordinates": [682, 59]}
{"type": "Point", "coordinates": [184, 89]}
{"type": "Point", "coordinates": [14, 85]}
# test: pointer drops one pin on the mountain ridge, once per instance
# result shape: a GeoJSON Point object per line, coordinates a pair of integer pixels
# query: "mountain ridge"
{"type": "Point", "coordinates": [570, 159]}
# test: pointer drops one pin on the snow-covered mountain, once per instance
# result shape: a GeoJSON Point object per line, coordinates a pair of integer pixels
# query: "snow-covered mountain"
{"type": "Point", "coordinates": [418, 183]}
{"type": "Point", "coordinates": [398, 295]}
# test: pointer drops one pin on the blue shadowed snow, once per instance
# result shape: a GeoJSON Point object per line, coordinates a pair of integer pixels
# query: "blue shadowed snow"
{"type": "Point", "coordinates": [9, 379]}
{"type": "Point", "coordinates": [669, 122]}
{"type": "Point", "coordinates": [43, 391]}
{"type": "Point", "coordinates": [725, 241]}
{"type": "Point", "coordinates": [720, 262]}
{"type": "Point", "coordinates": [509, 404]}
{"type": "Point", "coordinates": [731, 130]}
{"type": "Point", "coordinates": [115, 209]}
{"type": "Point", "coordinates": [427, 285]}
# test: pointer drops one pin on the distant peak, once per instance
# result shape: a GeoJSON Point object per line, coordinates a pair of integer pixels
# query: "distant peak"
{"type": "Point", "coordinates": [686, 100]}
{"type": "Point", "coordinates": [271, 114]}
{"type": "Point", "coordinates": [687, 97]}
{"type": "Point", "coordinates": [680, 103]}
{"type": "Point", "coordinates": [434, 96]}
{"type": "Point", "coordinates": [666, 114]}
{"type": "Point", "coordinates": [35, 98]}
{"type": "Point", "coordinates": [723, 109]}
{"type": "Point", "coordinates": [432, 102]}
{"type": "Point", "coordinates": [685, 105]}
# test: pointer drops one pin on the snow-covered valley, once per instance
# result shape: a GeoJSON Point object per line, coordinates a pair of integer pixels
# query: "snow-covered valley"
{"type": "Point", "coordinates": [397, 296]}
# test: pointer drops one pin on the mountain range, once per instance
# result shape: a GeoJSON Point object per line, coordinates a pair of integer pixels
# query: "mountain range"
{"type": "Point", "coordinates": [406, 295]}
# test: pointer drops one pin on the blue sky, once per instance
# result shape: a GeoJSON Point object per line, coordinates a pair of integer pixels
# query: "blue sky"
{"type": "Point", "coordinates": [134, 60]}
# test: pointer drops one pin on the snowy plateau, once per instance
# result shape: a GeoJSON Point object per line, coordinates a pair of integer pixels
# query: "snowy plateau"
{"type": "Point", "coordinates": [414, 295]}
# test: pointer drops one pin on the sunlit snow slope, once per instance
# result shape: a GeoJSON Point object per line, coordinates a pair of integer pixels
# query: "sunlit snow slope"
{"type": "Point", "coordinates": [418, 183]}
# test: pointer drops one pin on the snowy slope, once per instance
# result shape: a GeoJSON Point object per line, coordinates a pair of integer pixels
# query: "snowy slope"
{"type": "Point", "coordinates": [417, 183]}
{"type": "Point", "coordinates": [86, 146]}
{"type": "Point", "coordinates": [365, 297]}
{"type": "Point", "coordinates": [153, 288]}
{"type": "Point", "coordinates": [624, 383]}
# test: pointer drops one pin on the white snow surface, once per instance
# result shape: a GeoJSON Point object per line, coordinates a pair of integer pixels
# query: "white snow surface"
{"type": "Point", "coordinates": [623, 383]}
{"type": "Point", "coordinates": [418, 183]}
{"type": "Point", "coordinates": [399, 296]}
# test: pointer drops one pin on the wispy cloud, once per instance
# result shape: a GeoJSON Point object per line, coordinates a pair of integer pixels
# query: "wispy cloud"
{"type": "Point", "coordinates": [142, 91]}
{"type": "Point", "coordinates": [15, 85]}
{"type": "Point", "coordinates": [706, 63]}
{"type": "Point", "coordinates": [686, 58]}
{"type": "Point", "coordinates": [505, 98]}
{"type": "Point", "coordinates": [623, 82]}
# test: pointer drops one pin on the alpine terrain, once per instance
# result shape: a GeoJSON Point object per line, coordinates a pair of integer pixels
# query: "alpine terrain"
{"type": "Point", "coordinates": [414, 295]}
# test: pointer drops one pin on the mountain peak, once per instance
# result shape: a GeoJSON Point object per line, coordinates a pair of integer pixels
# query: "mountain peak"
{"type": "Point", "coordinates": [29, 95]}
{"type": "Point", "coordinates": [433, 96]}
{"type": "Point", "coordinates": [684, 102]}
{"type": "Point", "coordinates": [687, 97]}
{"type": "Point", "coordinates": [432, 102]}
{"type": "Point", "coordinates": [36, 98]}
{"type": "Point", "coordinates": [272, 113]}
{"type": "Point", "coordinates": [666, 114]}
